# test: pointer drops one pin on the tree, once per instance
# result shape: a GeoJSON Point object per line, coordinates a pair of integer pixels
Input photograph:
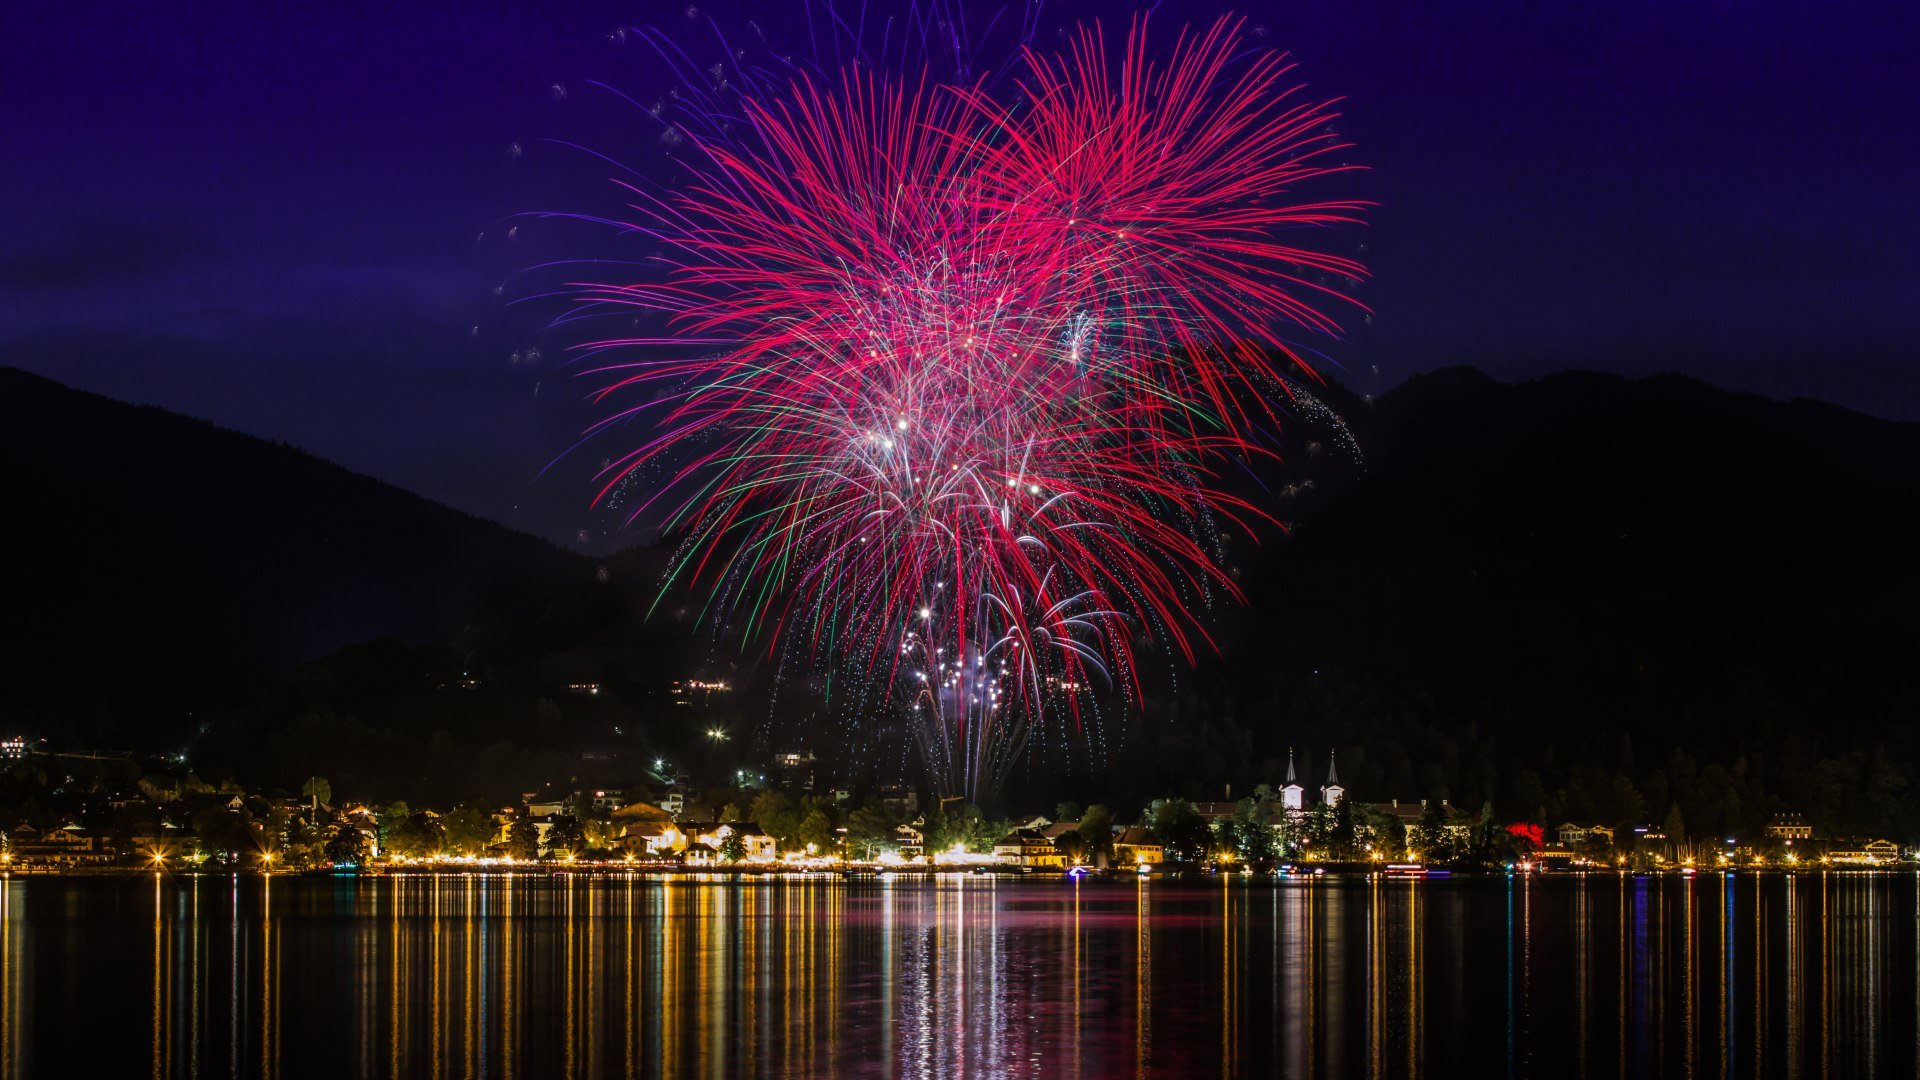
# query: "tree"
{"type": "Point", "coordinates": [816, 832]}
{"type": "Point", "coordinates": [1180, 829]}
{"type": "Point", "coordinates": [419, 836]}
{"type": "Point", "coordinates": [728, 814]}
{"type": "Point", "coordinates": [317, 791]}
{"type": "Point", "coordinates": [468, 830]}
{"type": "Point", "coordinates": [1343, 840]}
{"type": "Point", "coordinates": [1383, 832]}
{"type": "Point", "coordinates": [1676, 827]}
{"type": "Point", "coordinates": [1527, 836]}
{"type": "Point", "coordinates": [523, 839]}
{"type": "Point", "coordinates": [1250, 831]}
{"type": "Point", "coordinates": [733, 849]}
{"type": "Point", "coordinates": [1431, 839]}
{"type": "Point", "coordinates": [389, 817]}
{"type": "Point", "coordinates": [1318, 831]}
{"type": "Point", "coordinates": [306, 844]}
{"type": "Point", "coordinates": [778, 814]}
{"type": "Point", "coordinates": [1067, 811]}
{"type": "Point", "coordinates": [964, 825]}
{"type": "Point", "coordinates": [223, 833]}
{"type": "Point", "coordinates": [566, 836]}
{"type": "Point", "coordinates": [1096, 832]}
{"type": "Point", "coordinates": [601, 835]}
{"type": "Point", "coordinates": [347, 845]}
{"type": "Point", "coordinates": [870, 830]}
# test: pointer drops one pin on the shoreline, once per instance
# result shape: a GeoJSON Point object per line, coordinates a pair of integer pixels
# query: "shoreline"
{"type": "Point", "coordinates": [862, 873]}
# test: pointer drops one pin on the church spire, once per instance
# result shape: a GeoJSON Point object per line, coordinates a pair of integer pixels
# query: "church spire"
{"type": "Point", "coordinates": [1290, 778]}
{"type": "Point", "coordinates": [1333, 774]}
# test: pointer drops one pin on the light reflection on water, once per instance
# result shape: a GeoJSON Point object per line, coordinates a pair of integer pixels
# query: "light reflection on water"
{"type": "Point", "coordinates": [534, 976]}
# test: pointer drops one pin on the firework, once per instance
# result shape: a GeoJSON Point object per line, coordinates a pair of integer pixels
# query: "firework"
{"type": "Point", "coordinates": [942, 374]}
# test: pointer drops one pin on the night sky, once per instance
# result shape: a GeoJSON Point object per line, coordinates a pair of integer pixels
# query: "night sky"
{"type": "Point", "coordinates": [293, 219]}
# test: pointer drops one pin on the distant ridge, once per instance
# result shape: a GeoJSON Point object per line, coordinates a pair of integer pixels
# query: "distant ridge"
{"type": "Point", "coordinates": [157, 563]}
{"type": "Point", "coordinates": [1591, 572]}
{"type": "Point", "coordinates": [1584, 592]}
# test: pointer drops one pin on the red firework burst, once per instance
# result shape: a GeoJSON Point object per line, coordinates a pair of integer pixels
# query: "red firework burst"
{"type": "Point", "coordinates": [948, 374]}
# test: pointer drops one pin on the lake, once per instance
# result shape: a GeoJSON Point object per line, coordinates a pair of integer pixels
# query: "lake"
{"type": "Point", "coordinates": [574, 976]}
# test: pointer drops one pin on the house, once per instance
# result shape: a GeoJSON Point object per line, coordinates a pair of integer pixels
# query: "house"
{"type": "Point", "coordinates": [651, 839]}
{"type": "Point", "coordinates": [21, 835]}
{"type": "Point", "coordinates": [1556, 855]}
{"type": "Point", "coordinates": [1790, 826]}
{"type": "Point", "coordinates": [795, 769]}
{"type": "Point", "coordinates": [542, 825]}
{"type": "Point", "coordinates": [68, 845]}
{"type": "Point", "coordinates": [1216, 812]}
{"type": "Point", "coordinates": [607, 800]}
{"type": "Point", "coordinates": [1573, 835]}
{"type": "Point", "coordinates": [1058, 829]}
{"type": "Point", "coordinates": [712, 834]}
{"type": "Point", "coordinates": [759, 843]}
{"type": "Point", "coordinates": [1863, 852]}
{"type": "Point", "coordinates": [1029, 848]}
{"type": "Point", "coordinates": [910, 840]}
{"type": "Point", "coordinates": [1406, 813]}
{"type": "Point", "coordinates": [1456, 823]}
{"type": "Point", "coordinates": [1135, 845]}
{"type": "Point", "coordinates": [900, 801]}
{"type": "Point", "coordinates": [162, 838]}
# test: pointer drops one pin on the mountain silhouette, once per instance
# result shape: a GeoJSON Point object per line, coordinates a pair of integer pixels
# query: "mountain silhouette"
{"type": "Point", "coordinates": [159, 566]}
{"type": "Point", "coordinates": [1483, 591]}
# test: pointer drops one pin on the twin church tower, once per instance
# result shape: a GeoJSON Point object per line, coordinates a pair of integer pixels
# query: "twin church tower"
{"type": "Point", "coordinates": [1293, 796]}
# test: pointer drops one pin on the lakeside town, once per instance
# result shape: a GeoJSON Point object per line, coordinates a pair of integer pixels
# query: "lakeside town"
{"type": "Point", "coordinates": [104, 812]}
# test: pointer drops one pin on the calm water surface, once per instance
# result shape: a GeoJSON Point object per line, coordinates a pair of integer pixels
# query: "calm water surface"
{"type": "Point", "coordinates": [532, 976]}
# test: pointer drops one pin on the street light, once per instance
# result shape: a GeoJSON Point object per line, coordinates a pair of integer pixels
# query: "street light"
{"type": "Point", "coordinates": [717, 734]}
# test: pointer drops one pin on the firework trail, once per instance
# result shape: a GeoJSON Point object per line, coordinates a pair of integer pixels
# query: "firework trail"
{"type": "Point", "coordinates": [942, 373]}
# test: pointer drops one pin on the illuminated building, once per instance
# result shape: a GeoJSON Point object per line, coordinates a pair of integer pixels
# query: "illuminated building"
{"type": "Point", "coordinates": [1863, 852]}
{"type": "Point", "coordinates": [1331, 792]}
{"type": "Point", "coordinates": [910, 840]}
{"type": "Point", "coordinates": [1293, 797]}
{"type": "Point", "coordinates": [1134, 845]}
{"type": "Point", "coordinates": [653, 839]}
{"type": "Point", "coordinates": [1571, 834]}
{"type": "Point", "coordinates": [795, 769]}
{"type": "Point", "coordinates": [1790, 826]}
{"type": "Point", "coordinates": [1029, 848]}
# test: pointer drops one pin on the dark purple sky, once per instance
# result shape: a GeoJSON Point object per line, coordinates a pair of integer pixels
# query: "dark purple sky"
{"type": "Point", "coordinates": [290, 218]}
